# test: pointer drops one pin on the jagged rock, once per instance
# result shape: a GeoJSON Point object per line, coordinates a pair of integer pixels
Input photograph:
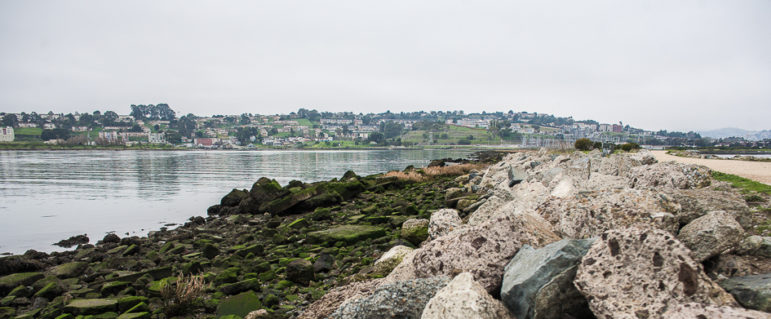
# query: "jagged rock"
{"type": "Point", "coordinates": [482, 250]}
{"type": "Point", "coordinates": [72, 241]}
{"type": "Point", "coordinates": [516, 175]}
{"type": "Point", "coordinates": [711, 234]}
{"type": "Point", "coordinates": [404, 271]}
{"type": "Point", "coordinates": [694, 203]}
{"type": "Point", "coordinates": [415, 230]}
{"type": "Point", "coordinates": [451, 195]}
{"type": "Point", "coordinates": [669, 174]}
{"type": "Point", "coordinates": [588, 214]}
{"type": "Point", "coordinates": [700, 311]}
{"type": "Point", "coordinates": [404, 299]}
{"type": "Point", "coordinates": [325, 262]}
{"type": "Point", "coordinates": [328, 303]}
{"type": "Point", "coordinates": [300, 271]}
{"type": "Point", "coordinates": [210, 251]}
{"type": "Point", "coordinates": [390, 260]}
{"type": "Point", "coordinates": [752, 292]}
{"type": "Point", "coordinates": [442, 222]}
{"type": "Point", "coordinates": [486, 210]}
{"type": "Point", "coordinates": [538, 283]}
{"type": "Point", "coordinates": [643, 272]}
{"type": "Point", "coordinates": [464, 298]}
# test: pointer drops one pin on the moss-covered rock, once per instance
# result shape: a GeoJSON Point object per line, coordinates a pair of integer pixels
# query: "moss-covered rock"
{"type": "Point", "coordinates": [127, 302]}
{"type": "Point", "coordinates": [69, 270]}
{"type": "Point", "coordinates": [7, 283]}
{"type": "Point", "coordinates": [300, 271]}
{"type": "Point", "coordinates": [49, 291]}
{"type": "Point", "coordinates": [113, 287]}
{"type": "Point", "coordinates": [137, 315]}
{"type": "Point", "coordinates": [91, 306]}
{"type": "Point", "coordinates": [415, 230]}
{"type": "Point", "coordinates": [346, 233]}
{"type": "Point", "coordinates": [241, 286]}
{"type": "Point", "coordinates": [239, 305]}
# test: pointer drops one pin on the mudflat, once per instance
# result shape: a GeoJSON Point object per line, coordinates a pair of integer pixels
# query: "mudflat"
{"type": "Point", "coordinates": [757, 171]}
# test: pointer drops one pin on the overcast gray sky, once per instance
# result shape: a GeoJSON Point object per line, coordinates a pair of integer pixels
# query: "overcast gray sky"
{"type": "Point", "coordinates": [677, 65]}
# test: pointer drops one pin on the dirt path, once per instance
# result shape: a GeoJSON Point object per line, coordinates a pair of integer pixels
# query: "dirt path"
{"type": "Point", "coordinates": [757, 171]}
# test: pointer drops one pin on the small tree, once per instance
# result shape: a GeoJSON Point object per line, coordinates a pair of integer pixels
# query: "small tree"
{"type": "Point", "coordinates": [584, 144]}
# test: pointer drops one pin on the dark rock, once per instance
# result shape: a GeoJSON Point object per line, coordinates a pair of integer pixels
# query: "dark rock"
{"type": "Point", "coordinates": [197, 220]}
{"type": "Point", "coordinates": [210, 251]}
{"type": "Point", "coordinates": [752, 292]}
{"type": "Point", "coordinates": [233, 198]}
{"type": "Point", "coordinates": [213, 210]}
{"type": "Point", "coordinates": [265, 189]}
{"type": "Point", "coordinates": [91, 306]}
{"type": "Point", "coordinates": [14, 264]}
{"type": "Point", "coordinates": [9, 282]}
{"type": "Point", "coordinates": [325, 262]}
{"type": "Point", "coordinates": [34, 254]}
{"type": "Point", "coordinates": [69, 270]}
{"type": "Point", "coordinates": [73, 241]}
{"type": "Point", "coordinates": [241, 286]}
{"type": "Point", "coordinates": [110, 238]}
{"type": "Point", "coordinates": [538, 283]}
{"type": "Point", "coordinates": [300, 271]}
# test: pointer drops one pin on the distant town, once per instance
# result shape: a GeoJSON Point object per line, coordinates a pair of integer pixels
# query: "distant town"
{"type": "Point", "coordinates": [159, 125]}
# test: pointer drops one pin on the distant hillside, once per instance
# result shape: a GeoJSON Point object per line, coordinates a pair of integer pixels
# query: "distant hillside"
{"type": "Point", "coordinates": [737, 132]}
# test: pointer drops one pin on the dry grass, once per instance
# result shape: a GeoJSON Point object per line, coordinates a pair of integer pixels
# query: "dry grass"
{"type": "Point", "coordinates": [424, 174]}
{"type": "Point", "coordinates": [181, 297]}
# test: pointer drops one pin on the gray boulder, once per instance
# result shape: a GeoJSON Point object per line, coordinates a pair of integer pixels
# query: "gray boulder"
{"type": "Point", "coordinates": [404, 299]}
{"type": "Point", "coordinates": [538, 283]}
{"type": "Point", "coordinates": [753, 292]}
{"type": "Point", "coordinates": [711, 234]}
{"type": "Point", "coordinates": [516, 175]}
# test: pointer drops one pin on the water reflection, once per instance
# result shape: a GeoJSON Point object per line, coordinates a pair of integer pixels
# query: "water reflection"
{"type": "Point", "coordinates": [49, 195]}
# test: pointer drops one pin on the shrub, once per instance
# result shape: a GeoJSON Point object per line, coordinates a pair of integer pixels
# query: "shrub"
{"type": "Point", "coordinates": [464, 141]}
{"type": "Point", "coordinates": [182, 297]}
{"type": "Point", "coordinates": [630, 146]}
{"type": "Point", "coordinates": [584, 144]}
{"type": "Point", "coordinates": [597, 145]}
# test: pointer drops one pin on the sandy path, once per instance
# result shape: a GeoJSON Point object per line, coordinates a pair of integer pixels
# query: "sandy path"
{"type": "Point", "coordinates": [757, 171]}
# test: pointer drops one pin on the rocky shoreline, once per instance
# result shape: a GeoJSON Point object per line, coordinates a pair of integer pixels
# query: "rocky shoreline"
{"type": "Point", "coordinates": [526, 235]}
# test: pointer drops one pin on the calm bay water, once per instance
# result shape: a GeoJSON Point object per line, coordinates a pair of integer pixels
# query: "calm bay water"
{"type": "Point", "coordinates": [46, 196]}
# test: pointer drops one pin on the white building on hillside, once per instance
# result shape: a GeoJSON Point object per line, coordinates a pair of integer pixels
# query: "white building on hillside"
{"type": "Point", "coordinates": [6, 134]}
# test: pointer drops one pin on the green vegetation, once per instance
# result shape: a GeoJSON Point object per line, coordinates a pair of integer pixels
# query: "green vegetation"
{"type": "Point", "coordinates": [745, 186]}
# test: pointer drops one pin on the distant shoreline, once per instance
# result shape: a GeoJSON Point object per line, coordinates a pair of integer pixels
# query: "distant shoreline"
{"type": "Point", "coordinates": [384, 148]}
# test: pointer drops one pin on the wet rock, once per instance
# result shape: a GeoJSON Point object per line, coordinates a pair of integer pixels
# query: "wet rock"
{"type": "Point", "coordinates": [324, 263]}
{"type": "Point", "coordinates": [346, 233]}
{"type": "Point", "coordinates": [711, 234]}
{"type": "Point", "coordinates": [210, 251]}
{"type": "Point", "coordinates": [415, 230]}
{"type": "Point", "coordinates": [752, 292]}
{"type": "Point", "coordinates": [482, 250]}
{"type": "Point", "coordinates": [538, 283]}
{"type": "Point", "coordinates": [464, 298]}
{"type": "Point", "coordinates": [670, 174]}
{"type": "Point", "coordinates": [69, 270]}
{"type": "Point", "coordinates": [91, 306]}
{"type": "Point", "coordinates": [233, 198]}
{"type": "Point", "coordinates": [300, 271]}
{"type": "Point", "coordinates": [110, 238]}
{"type": "Point", "coordinates": [72, 241]}
{"type": "Point", "coordinates": [325, 306]}
{"type": "Point", "coordinates": [239, 305]}
{"type": "Point", "coordinates": [14, 264]}
{"type": "Point", "coordinates": [405, 299]}
{"type": "Point", "coordinates": [701, 311]}
{"type": "Point", "coordinates": [7, 283]}
{"type": "Point", "coordinates": [643, 272]}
